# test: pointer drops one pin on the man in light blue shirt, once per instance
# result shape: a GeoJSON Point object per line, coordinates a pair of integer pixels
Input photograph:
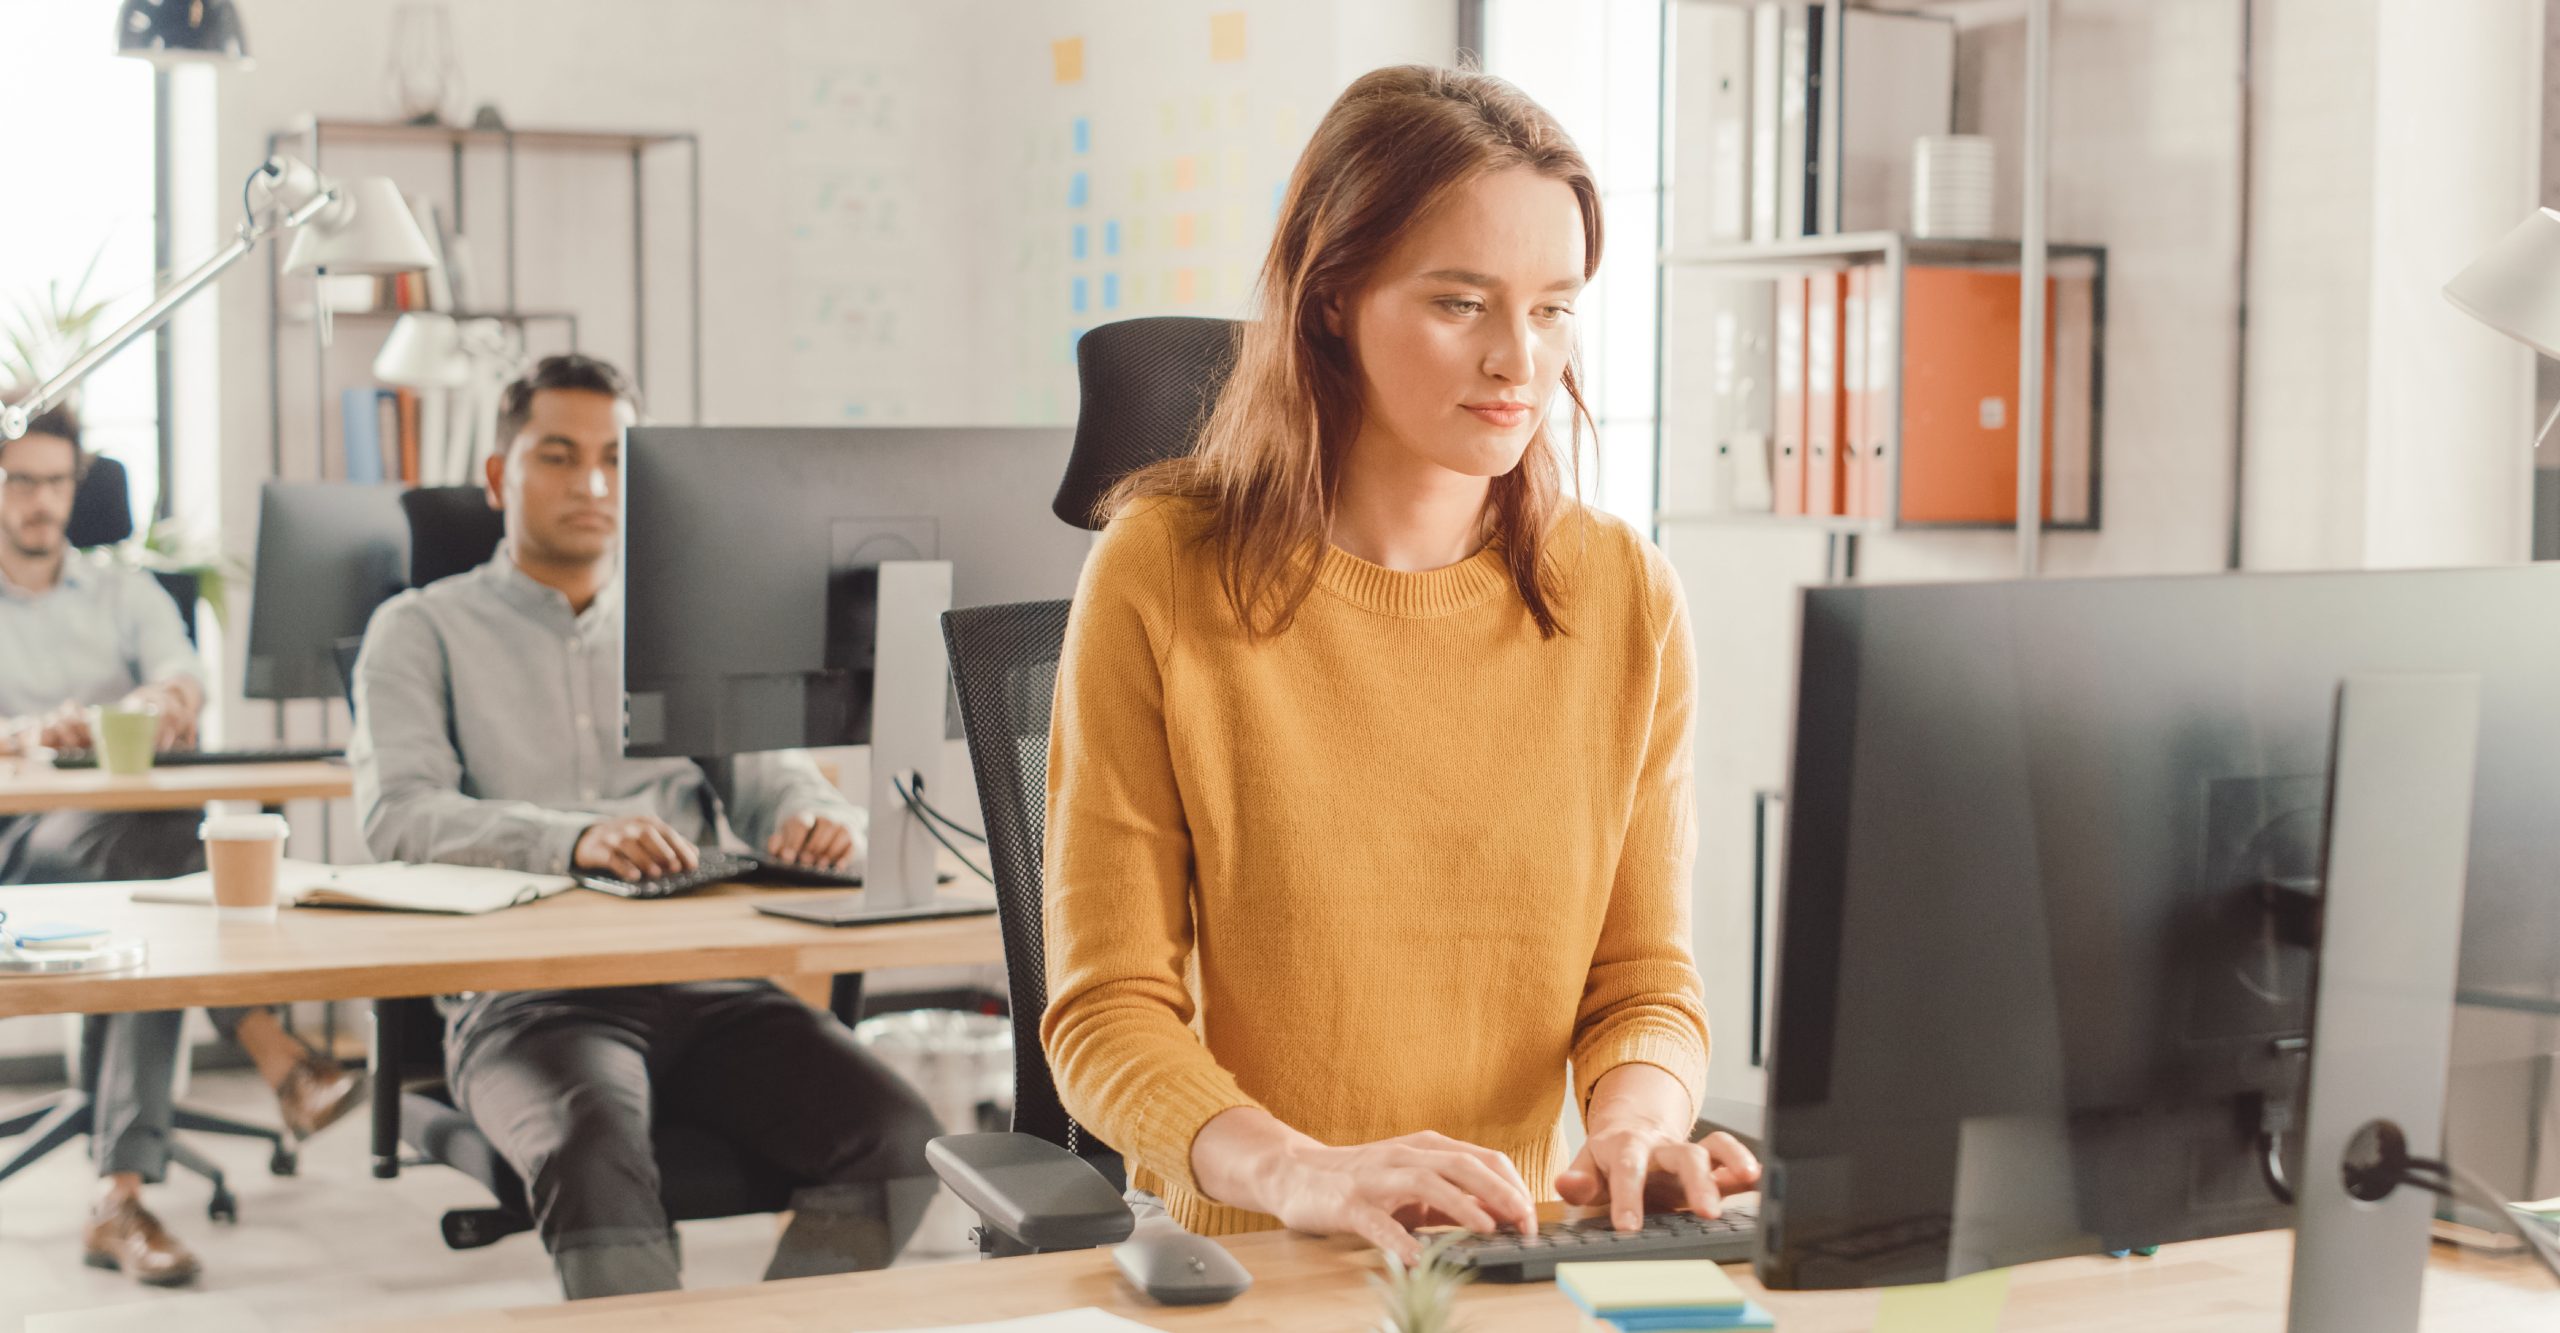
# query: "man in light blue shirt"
{"type": "Point", "coordinates": [488, 710]}
{"type": "Point", "coordinates": [76, 630]}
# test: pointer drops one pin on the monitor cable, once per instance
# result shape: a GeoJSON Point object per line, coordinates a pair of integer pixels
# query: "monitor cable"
{"type": "Point", "coordinates": [916, 807]}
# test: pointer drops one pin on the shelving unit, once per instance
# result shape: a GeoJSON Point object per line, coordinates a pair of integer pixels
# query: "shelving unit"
{"type": "Point", "coordinates": [2032, 255]}
{"type": "Point", "coordinates": [1897, 253]}
{"type": "Point", "coordinates": [315, 138]}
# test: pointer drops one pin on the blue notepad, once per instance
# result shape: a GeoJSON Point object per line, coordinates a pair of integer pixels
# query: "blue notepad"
{"type": "Point", "coordinates": [1743, 1318]}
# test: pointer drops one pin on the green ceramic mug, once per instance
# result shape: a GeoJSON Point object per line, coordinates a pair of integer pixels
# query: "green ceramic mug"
{"type": "Point", "coordinates": [125, 736]}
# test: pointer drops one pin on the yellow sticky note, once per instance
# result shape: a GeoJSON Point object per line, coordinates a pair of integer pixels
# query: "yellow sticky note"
{"type": "Point", "coordinates": [1066, 60]}
{"type": "Point", "coordinates": [1967, 1305]}
{"type": "Point", "coordinates": [1226, 36]}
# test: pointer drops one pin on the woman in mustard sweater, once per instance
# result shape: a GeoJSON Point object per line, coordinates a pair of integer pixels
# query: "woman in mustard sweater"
{"type": "Point", "coordinates": [1369, 785]}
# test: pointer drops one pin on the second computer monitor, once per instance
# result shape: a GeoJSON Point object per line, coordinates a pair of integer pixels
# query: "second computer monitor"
{"type": "Point", "coordinates": [328, 553]}
{"type": "Point", "coordinates": [2044, 976]}
{"type": "Point", "coordinates": [752, 558]}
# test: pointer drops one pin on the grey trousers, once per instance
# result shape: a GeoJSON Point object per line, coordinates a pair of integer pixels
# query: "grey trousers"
{"type": "Point", "coordinates": [128, 1062]}
{"type": "Point", "coordinates": [566, 1085]}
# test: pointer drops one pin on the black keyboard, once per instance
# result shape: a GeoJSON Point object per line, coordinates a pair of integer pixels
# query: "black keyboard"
{"type": "Point", "coordinates": [198, 758]}
{"type": "Point", "coordinates": [713, 868]}
{"type": "Point", "coordinates": [717, 867]}
{"type": "Point", "coordinates": [1508, 1256]}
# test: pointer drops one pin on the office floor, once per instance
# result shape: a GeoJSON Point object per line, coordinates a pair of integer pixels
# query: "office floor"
{"type": "Point", "coordinates": [326, 1248]}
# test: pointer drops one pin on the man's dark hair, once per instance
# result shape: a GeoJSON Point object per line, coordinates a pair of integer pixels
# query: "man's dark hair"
{"type": "Point", "coordinates": [569, 370]}
{"type": "Point", "coordinates": [62, 422]}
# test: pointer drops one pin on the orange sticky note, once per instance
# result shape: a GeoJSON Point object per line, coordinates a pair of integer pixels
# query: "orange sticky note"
{"type": "Point", "coordinates": [1226, 36]}
{"type": "Point", "coordinates": [1066, 60]}
{"type": "Point", "coordinates": [1186, 172]}
{"type": "Point", "coordinates": [1185, 228]}
{"type": "Point", "coordinates": [1186, 285]}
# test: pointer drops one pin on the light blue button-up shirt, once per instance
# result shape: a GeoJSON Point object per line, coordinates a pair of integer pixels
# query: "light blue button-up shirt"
{"type": "Point", "coordinates": [488, 731]}
{"type": "Point", "coordinates": [99, 633]}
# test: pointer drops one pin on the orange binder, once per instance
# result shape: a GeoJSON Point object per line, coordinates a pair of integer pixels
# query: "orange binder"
{"type": "Point", "coordinates": [1855, 400]}
{"type": "Point", "coordinates": [1823, 399]}
{"type": "Point", "coordinates": [1960, 396]}
{"type": "Point", "coordinates": [1787, 437]}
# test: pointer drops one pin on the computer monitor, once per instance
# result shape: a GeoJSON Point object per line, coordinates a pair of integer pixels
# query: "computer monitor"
{"type": "Point", "coordinates": [328, 553]}
{"type": "Point", "coordinates": [2034, 939]}
{"type": "Point", "coordinates": [751, 566]}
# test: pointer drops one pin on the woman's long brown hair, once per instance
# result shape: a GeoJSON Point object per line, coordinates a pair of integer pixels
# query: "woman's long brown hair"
{"type": "Point", "coordinates": [1270, 458]}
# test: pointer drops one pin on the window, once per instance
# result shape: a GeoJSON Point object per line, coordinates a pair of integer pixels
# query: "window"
{"type": "Point", "coordinates": [80, 194]}
{"type": "Point", "coordinates": [1597, 64]}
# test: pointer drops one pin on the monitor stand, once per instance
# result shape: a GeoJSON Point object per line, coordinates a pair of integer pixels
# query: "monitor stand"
{"type": "Point", "coordinates": [910, 680]}
{"type": "Point", "coordinates": [2405, 753]}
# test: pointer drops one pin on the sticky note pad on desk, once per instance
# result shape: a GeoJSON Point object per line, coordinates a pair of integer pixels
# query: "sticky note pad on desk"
{"type": "Point", "coordinates": [1967, 1305]}
{"type": "Point", "coordinates": [1743, 1318]}
{"type": "Point", "coordinates": [1685, 1286]}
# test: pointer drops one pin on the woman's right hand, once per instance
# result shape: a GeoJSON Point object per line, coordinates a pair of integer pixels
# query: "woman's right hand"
{"type": "Point", "coordinates": [1376, 1191]}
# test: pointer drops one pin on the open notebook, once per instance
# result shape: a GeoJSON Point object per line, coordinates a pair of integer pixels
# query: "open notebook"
{"type": "Point", "coordinates": [391, 886]}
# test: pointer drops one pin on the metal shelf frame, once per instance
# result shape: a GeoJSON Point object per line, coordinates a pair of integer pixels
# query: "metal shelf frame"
{"type": "Point", "coordinates": [316, 136]}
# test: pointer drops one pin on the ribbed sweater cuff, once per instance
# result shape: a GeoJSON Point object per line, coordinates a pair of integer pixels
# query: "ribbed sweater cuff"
{"type": "Point", "coordinates": [1677, 1053]}
{"type": "Point", "coordinates": [1177, 1106]}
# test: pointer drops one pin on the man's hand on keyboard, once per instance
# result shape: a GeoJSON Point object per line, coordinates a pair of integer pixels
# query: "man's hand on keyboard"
{"type": "Point", "coordinates": [1636, 1169]}
{"type": "Point", "coordinates": [812, 840]}
{"type": "Point", "coordinates": [634, 848]}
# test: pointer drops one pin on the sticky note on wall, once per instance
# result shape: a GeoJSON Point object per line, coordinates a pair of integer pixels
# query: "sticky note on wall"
{"type": "Point", "coordinates": [1066, 60]}
{"type": "Point", "coordinates": [1226, 36]}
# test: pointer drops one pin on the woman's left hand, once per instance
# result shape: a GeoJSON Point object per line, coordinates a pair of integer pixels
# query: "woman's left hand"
{"type": "Point", "coordinates": [1637, 1162]}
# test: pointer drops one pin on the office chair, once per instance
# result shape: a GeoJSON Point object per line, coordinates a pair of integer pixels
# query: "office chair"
{"type": "Point", "coordinates": [1048, 1185]}
{"type": "Point", "coordinates": [452, 530]}
{"type": "Point", "coordinates": [102, 515]}
{"type": "Point", "coordinates": [700, 1174]}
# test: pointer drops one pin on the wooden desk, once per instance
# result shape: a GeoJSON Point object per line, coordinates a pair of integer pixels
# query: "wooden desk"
{"type": "Point", "coordinates": [27, 789]}
{"type": "Point", "coordinates": [578, 938]}
{"type": "Point", "coordinates": [2233, 1285]}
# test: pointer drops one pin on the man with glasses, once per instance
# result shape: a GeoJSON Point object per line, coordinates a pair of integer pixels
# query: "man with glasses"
{"type": "Point", "coordinates": [76, 631]}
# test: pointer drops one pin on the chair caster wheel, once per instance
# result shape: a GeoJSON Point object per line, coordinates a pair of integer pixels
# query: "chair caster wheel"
{"type": "Point", "coordinates": [224, 1208]}
{"type": "Point", "coordinates": [284, 1162]}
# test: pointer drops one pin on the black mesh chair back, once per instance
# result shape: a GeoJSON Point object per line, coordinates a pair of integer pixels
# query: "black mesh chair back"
{"type": "Point", "coordinates": [101, 507]}
{"type": "Point", "coordinates": [1004, 660]}
{"type": "Point", "coordinates": [1147, 387]}
{"type": "Point", "coordinates": [452, 530]}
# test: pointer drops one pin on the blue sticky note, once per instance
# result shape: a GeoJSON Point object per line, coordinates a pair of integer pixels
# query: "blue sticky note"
{"type": "Point", "coordinates": [1077, 300]}
{"type": "Point", "coordinates": [1075, 240]}
{"type": "Point", "coordinates": [1277, 191]}
{"type": "Point", "coordinates": [1110, 291]}
{"type": "Point", "coordinates": [1076, 187]}
{"type": "Point", "coordinates": [1111, 237]}
{"type": "Point", "coordinates": [1074, 336]}
{"type": "Point", "coordinates": [1084, 135]}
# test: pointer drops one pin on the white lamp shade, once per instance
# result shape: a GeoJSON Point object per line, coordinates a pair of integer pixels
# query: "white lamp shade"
{"type": "Point", "coordinates": [2514, 286]}
{"type": "Point", "coordinates": [424, 351]}
{"type": "Point", "coordinates": [368, 230]}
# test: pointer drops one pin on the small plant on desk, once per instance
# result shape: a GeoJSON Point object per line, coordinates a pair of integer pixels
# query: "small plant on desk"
{"type": "Point", "coordinates": [1423, 1298]}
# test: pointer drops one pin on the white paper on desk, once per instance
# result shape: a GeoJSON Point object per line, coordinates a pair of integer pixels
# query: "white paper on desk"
{"type": "Point", "coordinates": [392, 886]}
{"type": "Point", "coordinates": [1086, 1320]}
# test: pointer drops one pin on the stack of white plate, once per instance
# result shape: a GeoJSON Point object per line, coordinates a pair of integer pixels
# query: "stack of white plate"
{"type": "Point", "coordinates": [1951, 176]}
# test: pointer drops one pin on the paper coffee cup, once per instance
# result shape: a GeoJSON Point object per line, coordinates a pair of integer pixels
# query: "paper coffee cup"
{"type": "Point", "coordinates": [246, 855]}
{"type": "Point", "coordinates": [124, 737]}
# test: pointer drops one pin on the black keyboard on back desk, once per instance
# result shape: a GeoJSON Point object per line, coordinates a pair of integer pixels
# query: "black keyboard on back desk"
{"type": "Point", "coordinates": [1508, 1256]}
{"type": "Point", "coordinates": [714, 867]}
{"type": "Point", "coordinates": [200, 758]}
{"type": "Point", "coordinates": [718, 866]}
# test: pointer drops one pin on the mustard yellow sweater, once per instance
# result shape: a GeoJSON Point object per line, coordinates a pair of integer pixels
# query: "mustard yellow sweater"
{"type": "Point", "coordinates": [1390, 870]}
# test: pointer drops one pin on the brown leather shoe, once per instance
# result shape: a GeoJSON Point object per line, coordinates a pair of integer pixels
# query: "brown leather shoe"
{"type": "Point", "coordinates": [315, 1094]}
{"type": "Point", "coordinates": [125, 1237]}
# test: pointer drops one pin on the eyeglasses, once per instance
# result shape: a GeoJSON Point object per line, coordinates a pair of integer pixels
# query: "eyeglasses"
{"type": "Point", "coordinates": [32, 483]}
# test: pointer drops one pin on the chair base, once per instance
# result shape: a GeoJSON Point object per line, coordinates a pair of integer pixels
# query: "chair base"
{"type": "Point", "coordinates": [49, 1122]}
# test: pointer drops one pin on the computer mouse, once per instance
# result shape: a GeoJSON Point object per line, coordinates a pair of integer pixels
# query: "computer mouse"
{"type": "Point", "coordinates": [1174, 1267]}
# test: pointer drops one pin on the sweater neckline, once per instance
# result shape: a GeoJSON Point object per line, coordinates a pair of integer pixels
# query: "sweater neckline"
{"type": "Point", "coordinates": [1417, 596]}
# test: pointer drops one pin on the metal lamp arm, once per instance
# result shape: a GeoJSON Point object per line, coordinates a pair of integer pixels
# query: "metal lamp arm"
{"type": "Point", "coordinates": [293, 188]}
